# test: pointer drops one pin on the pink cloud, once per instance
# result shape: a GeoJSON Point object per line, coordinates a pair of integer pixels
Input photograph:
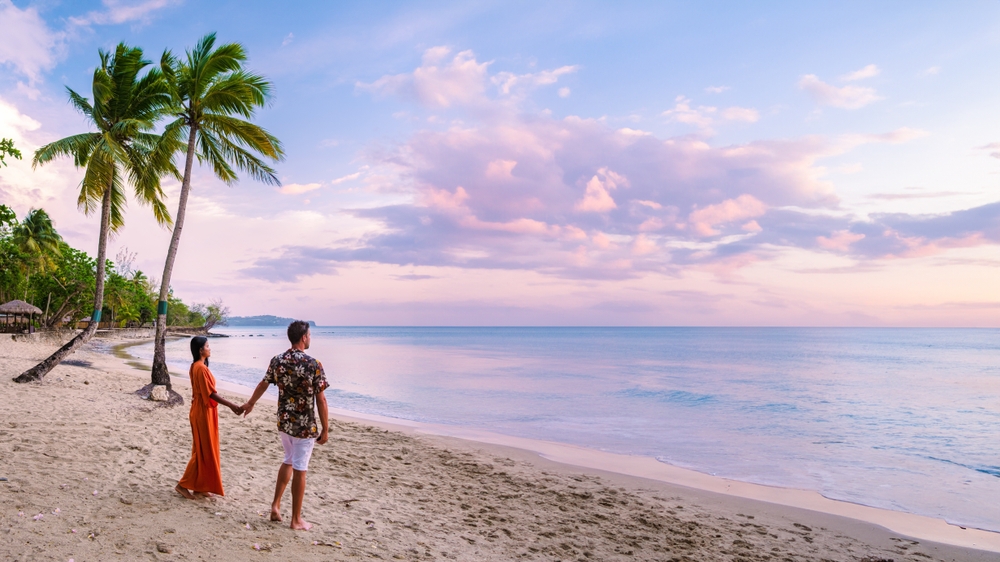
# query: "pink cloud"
{"type": "Point", "coordinates": [462, 81]}
{"type": "Point", "coordinates": [297, 188]}
{"type": "Point", "coordinates": [705, 220]}
{"type": "Point", "coordinates": [438, 83]}
{"type": "Point", "coordinates": [575, 197]}
{"type": "Point", "coordinates": [840, 241]}
{"type": "Point", "coordinates": [28, 44]}
{"type": "Point", "coordinates": [846, 97]}
{"type": "Point", "coordinates": [597, 198]}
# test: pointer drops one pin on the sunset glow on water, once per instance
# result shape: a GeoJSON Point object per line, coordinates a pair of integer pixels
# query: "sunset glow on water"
{"type": "Point", "coordinates": [902, 419]}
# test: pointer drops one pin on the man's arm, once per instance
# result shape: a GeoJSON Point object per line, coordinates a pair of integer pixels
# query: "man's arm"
{"type": "Point", "coordinates": [324, 418]}
{"type": "Point", "coordinates": [257, 393]}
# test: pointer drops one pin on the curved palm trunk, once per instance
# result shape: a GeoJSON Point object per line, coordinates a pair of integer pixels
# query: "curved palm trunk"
{"type": "Point", "coordinates": [161, 376]}
{"type": "Point", "coordinates": [40, 370]}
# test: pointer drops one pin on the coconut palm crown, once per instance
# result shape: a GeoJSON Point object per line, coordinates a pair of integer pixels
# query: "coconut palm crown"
{"type": "Point", "coordinates": [37, 238]}
{"type": "Point", "coordinates": [214, 98]}
{"type": "Point", "coordinates": [122, 151]}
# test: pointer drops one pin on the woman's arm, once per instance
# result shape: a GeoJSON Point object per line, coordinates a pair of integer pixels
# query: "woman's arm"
{"type": "Point", "coordinates": [236, 409]}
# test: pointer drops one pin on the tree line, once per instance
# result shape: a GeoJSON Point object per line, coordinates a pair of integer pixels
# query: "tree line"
{"type": "Point", "coordinates": [202, 103]}
{"type": "Point", "coordinates": [40, 268]}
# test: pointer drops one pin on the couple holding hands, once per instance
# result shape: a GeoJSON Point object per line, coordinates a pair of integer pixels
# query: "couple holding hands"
{"type": "Point", "coordinates": [300, 380]}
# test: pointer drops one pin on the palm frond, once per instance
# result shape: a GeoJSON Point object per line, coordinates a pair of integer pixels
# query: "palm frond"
{"type": "Point", "coordinates": [77, 146]}
{"type": "Point", "coordinates": [246, 134]}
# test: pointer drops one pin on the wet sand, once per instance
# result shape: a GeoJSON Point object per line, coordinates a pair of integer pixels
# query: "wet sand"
{"type": "Point", "coordinates": [90, 471]}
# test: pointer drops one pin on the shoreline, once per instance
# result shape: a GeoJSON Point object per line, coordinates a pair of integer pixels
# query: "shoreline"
{"type": "Point", "coordinates": [88, 470]}
{"type": "Point", "coordinates": [569, 457]}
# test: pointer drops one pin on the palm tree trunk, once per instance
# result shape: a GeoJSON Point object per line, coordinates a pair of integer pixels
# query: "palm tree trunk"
{"type": "Point", "coordinates": [40, 370]}
{"type": "Point", "coordinates": [160, 373]}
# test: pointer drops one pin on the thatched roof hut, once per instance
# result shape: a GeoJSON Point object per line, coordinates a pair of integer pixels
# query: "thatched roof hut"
{"type": "Point", "coordinates": [19, 307]}
{"type": "Point", "coordinates": [22, 313]}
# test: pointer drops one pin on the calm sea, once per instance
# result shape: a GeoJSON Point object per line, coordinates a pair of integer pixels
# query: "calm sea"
{"type": "Point", "coordinates": [904, 419]}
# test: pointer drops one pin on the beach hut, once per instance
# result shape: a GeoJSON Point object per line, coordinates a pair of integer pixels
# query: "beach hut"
{"type": "Point", "coordinates": [18, 316]}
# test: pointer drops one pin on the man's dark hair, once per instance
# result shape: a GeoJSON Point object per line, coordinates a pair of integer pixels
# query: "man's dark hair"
{"type": "Point", "coordinates": [296, 330]}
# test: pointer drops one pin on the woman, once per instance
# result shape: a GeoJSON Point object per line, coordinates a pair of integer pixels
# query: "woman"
{"type": "Point", "coordinates": [203, 474]}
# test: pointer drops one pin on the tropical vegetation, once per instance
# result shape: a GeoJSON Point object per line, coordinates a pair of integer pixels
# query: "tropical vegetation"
{"type": "Point", "coordinates": [64, 288]}
{"type": "Point", "coordinates": [7, 149]}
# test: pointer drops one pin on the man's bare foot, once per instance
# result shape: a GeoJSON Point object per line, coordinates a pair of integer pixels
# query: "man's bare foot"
{"type": "Point", "coordinates": [300, 525]}
{"type": "Point", "coordinates": [184, 492]}
{"type": "Point", "coordinates": [275, 514]}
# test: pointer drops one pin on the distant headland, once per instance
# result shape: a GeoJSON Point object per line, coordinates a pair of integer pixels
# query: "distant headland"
{"type": "Point", "coordinates": [264, 320]}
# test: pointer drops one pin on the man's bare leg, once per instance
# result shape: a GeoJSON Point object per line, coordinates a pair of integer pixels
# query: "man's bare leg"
{"type": "Point", "coordinates": [298, 492]}
{"type": "Point", "coordinates": [284, 475]}
{"type": "Point", "coordinates": [183, 491]}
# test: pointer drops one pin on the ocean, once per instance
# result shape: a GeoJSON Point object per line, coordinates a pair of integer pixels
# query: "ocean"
{"type": "Point", "coordinates": [902, 419]}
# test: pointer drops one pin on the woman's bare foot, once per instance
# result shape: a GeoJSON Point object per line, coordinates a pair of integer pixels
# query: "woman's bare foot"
{"type": "Point", "coordinates": [275, 513]}
{"type": "Point", "coordinates": [300, 525]}
{"type": "Point", "coordinates": [184, 492]}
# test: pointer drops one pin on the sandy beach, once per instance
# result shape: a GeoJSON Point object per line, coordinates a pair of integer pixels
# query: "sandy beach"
{"type": "Point", "coordinates": [89, 470]}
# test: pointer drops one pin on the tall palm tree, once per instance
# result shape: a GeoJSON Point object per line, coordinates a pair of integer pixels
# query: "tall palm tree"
{"type": "Point", "coordinates": [214, 98]}
{"type": "Point", "coordinates": [121, 151]}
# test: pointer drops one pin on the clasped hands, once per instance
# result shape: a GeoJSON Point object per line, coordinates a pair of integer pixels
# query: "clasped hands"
{"type": "Point", "coordinates": [243, 410]}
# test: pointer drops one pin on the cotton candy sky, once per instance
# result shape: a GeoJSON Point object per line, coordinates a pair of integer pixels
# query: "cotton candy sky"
{"type": "Point", "coordinates": [564, 163]}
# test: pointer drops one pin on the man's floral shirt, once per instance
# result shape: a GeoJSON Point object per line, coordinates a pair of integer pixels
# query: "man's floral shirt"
{"type": "Point", "coordinates": [299, 379]}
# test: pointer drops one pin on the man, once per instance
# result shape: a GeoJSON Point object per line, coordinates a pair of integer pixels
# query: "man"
{"type": "Point", "coordinates": [301, 381]}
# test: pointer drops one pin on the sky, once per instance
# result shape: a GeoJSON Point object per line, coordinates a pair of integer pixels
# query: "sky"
{"type": "Point", "coordinates": [562, 163]}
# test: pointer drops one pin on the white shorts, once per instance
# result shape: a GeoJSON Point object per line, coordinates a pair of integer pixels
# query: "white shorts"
{"type": "Point", "coordinates": [298, 451]}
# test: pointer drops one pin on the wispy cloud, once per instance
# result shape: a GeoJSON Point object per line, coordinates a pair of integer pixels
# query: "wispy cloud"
{"type": "Point", "coordinates": [705, 117]}
{"type": "Point", "coordinates": [444, 81]}
{"type": "Point", "coordinates": [438, 83]}
{"type": "Point", "coordinates": [716, 89]}
{"type": "Point", "coordinates": [28, 44]}
{"type": "Point", "coordinates": [298, 188]}
{"type": "Point", "coordinates": [928, 195]}
{"type": "Point", "coordinates": [123, 11]}
{"type": "Point", "coordinates": [867, 72]}
{"type": "Point", "coordinates": [347, 178]}
{"type": "Point", "coordinates": [993, 148]}
{"type": "Point", "coordinates": [846, 97]}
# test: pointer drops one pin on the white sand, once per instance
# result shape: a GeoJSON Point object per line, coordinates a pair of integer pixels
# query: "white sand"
{"type": "Point", "coordinates": [380, 493]}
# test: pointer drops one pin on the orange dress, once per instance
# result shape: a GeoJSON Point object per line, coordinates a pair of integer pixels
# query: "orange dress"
{"type": "Point", "coordinates": [204, 471]}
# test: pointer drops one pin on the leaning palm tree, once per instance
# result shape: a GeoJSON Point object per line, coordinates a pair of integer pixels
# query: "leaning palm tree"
{"type": "Point", "coordinates": [121, 151]}
{"type": "Point", "coordinates": [214, 98]}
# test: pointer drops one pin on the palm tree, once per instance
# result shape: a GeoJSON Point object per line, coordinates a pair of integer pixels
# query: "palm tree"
{"type": "Point", "coordinates": [37, 238]}
{"type": "Point", "coordinates": [121, 151]}
{"type": "Point", "coordinates": [214, 97]}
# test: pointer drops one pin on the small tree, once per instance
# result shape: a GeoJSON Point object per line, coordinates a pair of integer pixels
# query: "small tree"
{"type": "Point", "coordinates": [215, 313]}
{"type": "Point", "coordinates": [7, 149]}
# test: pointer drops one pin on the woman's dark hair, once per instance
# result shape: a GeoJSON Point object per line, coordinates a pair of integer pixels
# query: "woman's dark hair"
{"type": "Point", "coordinates": [197, 343]}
